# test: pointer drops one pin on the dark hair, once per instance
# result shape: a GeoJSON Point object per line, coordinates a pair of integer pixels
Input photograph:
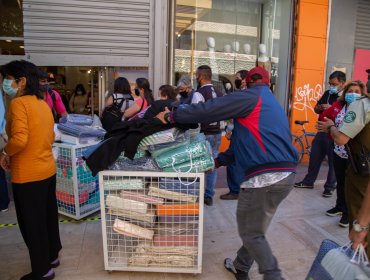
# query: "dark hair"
{"type": "Point", "coordinates": [121, 85]}
{"type": "Point", "coordinates": [339, 75]}
{"type": "Point", "coordinates": [205, 71]}
{"type": "Point", "coordinates": [350, 84]}
{"type": "Point", "coordinates": [24, 69]}
{"type": "Point", "coordinates": [168, 91]}
{"type": "Point", "coordinates": [144, 84]}
{"type": "Point", "coordinates": [80, 87]}
{"type": "Point", "coordinates": [243, 73]}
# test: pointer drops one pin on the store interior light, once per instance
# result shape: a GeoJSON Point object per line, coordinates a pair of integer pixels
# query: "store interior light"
{"type": "Point", "coordinates": [8, 41]}
{"type": "Point", "coordinates": [22, 47]}
{"type": "Point", "coordinates": [88, 72]}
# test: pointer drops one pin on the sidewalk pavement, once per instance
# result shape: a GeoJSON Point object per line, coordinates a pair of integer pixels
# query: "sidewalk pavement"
{"type": "Point", "coordinates": [295, 234]}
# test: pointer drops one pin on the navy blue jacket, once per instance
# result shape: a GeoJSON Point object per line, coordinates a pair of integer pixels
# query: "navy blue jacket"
{"type": "Point", "coordinates": [261, 140]}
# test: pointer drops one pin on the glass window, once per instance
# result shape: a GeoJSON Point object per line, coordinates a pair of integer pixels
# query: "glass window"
{"type": "Point", "coordinates": [230, 36]}
{"type": "Point", "coordinates": [11, 27]}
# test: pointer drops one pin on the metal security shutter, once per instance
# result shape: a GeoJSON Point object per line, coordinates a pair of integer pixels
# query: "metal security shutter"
{"type": "Point", "coordinates": [83, 33]}
{"type": "Point", "coordinates": [362, 37]}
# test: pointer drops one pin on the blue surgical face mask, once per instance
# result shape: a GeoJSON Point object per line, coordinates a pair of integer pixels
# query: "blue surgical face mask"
{"type": "Point", "coordinates": [8, 89]}
{"type": "Point", "coordinates": [352, 97]}
{"type": "Point", "coordinates": [333, 90]}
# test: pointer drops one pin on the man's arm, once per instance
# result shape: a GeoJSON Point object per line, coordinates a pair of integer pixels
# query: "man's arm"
{"type": "Point", "coordinates": [217, 109]}
{"type": "Point", "coordinates": [327, 125]}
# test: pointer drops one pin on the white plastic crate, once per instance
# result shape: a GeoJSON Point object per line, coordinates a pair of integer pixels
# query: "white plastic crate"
{"type": "Point", "coordinates": [77, 190]}
{"type": "Point", "coordinates": [152, 221]}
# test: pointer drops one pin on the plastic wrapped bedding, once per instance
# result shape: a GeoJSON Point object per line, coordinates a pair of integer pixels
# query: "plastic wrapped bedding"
{"type": "Point", "coordinates": [124, 184]}
{"type": "Point", "coordinates": [139, 154]}
{"type": "Point", "coordinates": [148, 248]}
{"type": "Point", "coordinates": [183, 154]}
{"type": "Point", "coordinates": [140, 164]}
{"type": "Point", "coordinates": [198, 165]}
{"type": "Point", "coordinates": [176, 185]}
{"type": "Point", "coordinates": [182, 139]}
{"type": "Point", "coordinates": [77, 119]}
{"type": "Point", "coordinates": [148, 217]}
{"type": "Point", "coordinates": [115, 202]}
{"type": "Point", "coordinates": [175, 196]}
{"type": "Point", "coordinates": [164, 136]}
{"type": "Point", "coordinates": [81, 130]}
{"type": "Point", "coordinates": [131, 230]}
{"type": "Point", "coordinates": [164, 260]}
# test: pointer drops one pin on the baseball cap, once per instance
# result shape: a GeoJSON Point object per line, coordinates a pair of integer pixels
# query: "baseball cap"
{"type": "Point", "coordinates": [258, 70]}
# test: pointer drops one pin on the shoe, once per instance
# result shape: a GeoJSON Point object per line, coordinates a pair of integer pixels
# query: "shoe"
{"type": "Point", "coordinates": [55, 263]}
{"type": "Point", "coordinates": [327, 193]}
{"type": "Point", "coordinates": [334, 212]}
{"type": "Point", "coordinates": [302, 185]}
{"type": "Point", "coordinates": [344, 221]}
{"type": "Point", "coordinates": [4, 210]}
{"type": "Point", "coordinates": [49, 276]}
{"type": "Point", "coordinates": [208, 201]}
{"type": "Point", "coordinates": [239, 274]}
{"type": "Point", "coordinates": [229, 196]}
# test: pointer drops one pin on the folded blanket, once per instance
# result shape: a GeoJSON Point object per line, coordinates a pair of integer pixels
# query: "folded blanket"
{"type": "Point", "coordinates": [70, 199]}
{"type": "Point", "coordinates": [124, 184]}
{"type": "Point", "coordinates": [182, 139]}
{"type": "Point", "coordinates": [141, 164]}
{"type": "Point", "coordinates": [148, 248]}
{"type": "Point", "coordinates": [165, 220]}
{"type": "Point", "coordinates": [177, 229]}
{"type": "Point", "coordinates": [126, 204]}
{"type": "Point", "coordinates": [77, 119]}
{"type": "Point", "coordinates": [81, 130]}
{"type": "Point", "coordinates": [161, 260]}
{"type": "Point", "coordinates": [178, 209]}
{"type": "Point", "coordinates": [148, 217]}
{"type": "Point", "coordinates": [141, 197]}
{"type": "Point", "coordinates": [132, 230]}
{"type": "Point", "coordinates": [177, 185]}
{"type": "Point", "coordinates": [183, 154]}
{"type": "Point", "coordinates": [176, 196]}
{"type": "Point", "coordinates": [164, 136]}
{"type": "Point", "coordinates": [175, 240]}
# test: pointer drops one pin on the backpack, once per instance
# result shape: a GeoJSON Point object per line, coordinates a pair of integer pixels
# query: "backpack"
{"type": "Point", "coordinates": [55, 114]}
{"type": "Point", "coordinates": [113, 114]}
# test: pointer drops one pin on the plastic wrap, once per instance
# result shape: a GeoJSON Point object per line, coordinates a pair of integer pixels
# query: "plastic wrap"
{"type": "Point", "coordinates": [201, 164]}
{"type": "Point", "coordinates": [176, 185]}
{"type": "Point", "coordinates": [139, 154]}
{"type": "Point", "coordinates": [140, 164]}
{"type": "Point", "coordinates": [81, 130]}
{"type": "Point", "coordinates": [164, 136]}
{"type": "Point", "coordinates": [182, 139]}
{"type": "Point", "coordinates": [77, 119]}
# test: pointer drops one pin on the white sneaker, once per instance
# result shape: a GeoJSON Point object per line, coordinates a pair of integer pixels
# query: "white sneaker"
{"type": "Point", "coordinates": [4, 210]}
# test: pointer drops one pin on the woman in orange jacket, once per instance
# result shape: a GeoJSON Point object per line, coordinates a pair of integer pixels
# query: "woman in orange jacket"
{"type": "Point", "coordinates": [28, 156]}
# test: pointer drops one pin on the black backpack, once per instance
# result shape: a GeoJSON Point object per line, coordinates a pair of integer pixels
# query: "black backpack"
{"type": "Point", "coordinates": [113, 114]}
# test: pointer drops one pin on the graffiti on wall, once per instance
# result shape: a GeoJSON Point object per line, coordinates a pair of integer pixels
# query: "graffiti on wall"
{"type": "Point", "coordinates": [306, 97]}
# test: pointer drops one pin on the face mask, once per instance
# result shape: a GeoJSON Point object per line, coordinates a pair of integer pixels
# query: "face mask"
{"type": "Point", "coordinates": [8, 89]}
{"type": "Point", "coordinates": [183, 94]}
{"type": "Point", "coordinates": [332, 90]}
{"type": "Point", "coordinates": [137, 92]}
{"type": "Point", "coordinates": [44, 88]}
{"type": "Point", "coordinates": [238, 83]}
{"type": "Point", "coordinates": [79, 92]}
{"type": "Point", "coordinates": [352, 97]}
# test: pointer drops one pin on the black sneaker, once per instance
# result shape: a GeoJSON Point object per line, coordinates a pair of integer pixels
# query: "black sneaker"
{"type": "Point", "coordinates": [229, 196]}
{"type": "Point", "coordinates": [208, 201]}
{"type": "Point", "coordinates": [239, 274]}
{"type": "Point", "coordinates": [327, 193]}
{"type": "Point", "coordinates": [302, 185]}
{"type": "Point", "coordinates": [334, 212]}
{"type": "Point", "coordinates": [344, 221]}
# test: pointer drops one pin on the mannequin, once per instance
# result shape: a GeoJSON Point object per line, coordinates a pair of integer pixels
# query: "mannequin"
{"type": "Point", "coordinates": [247, 48]}
{"type": "Point", "coordinates": [211, 43]}
{"type": "Point", "coordinates": [263, 60]}
{"type": "Point", "coordinates": [236, 46]}
{"type": "Point", "coordinates": [227, 48]}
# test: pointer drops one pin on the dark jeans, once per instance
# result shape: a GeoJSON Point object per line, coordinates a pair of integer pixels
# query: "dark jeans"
{"type": "Point", "coordinates": [37, 214]}
{"type": "Point", "coordinates": [234, 178]}
{"type": "Point", "coordinates": [340, 167]}
{"type": "Point", "coordinates": [4, 195]}
{"type": "Point", "coordinates": [211, 178]}
{"type": "Point", "coordinates": [255, 210]}
{"type": "Point", "coordinates": [321, 146]}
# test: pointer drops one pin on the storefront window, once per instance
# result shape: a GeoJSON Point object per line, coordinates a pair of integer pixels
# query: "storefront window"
{"type": "Point", "coordinates": [230, 36]}
{"type": "Point", "coordinates": [11, 27]}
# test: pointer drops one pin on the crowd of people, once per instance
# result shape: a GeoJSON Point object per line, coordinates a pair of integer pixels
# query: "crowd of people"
{"type": "Point", "coordinates": [261, 160]}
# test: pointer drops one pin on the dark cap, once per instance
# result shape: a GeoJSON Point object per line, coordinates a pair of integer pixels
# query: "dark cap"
{"type": "Point", "coordinates": [262, 72]}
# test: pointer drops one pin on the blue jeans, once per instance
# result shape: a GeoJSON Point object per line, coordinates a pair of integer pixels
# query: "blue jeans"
{"type": "Point", "coordinates": [234, 178]}
{"type": "Point", "coordinates": [211, 178]}
{"type": "Point", "coordinates": [4, 195]}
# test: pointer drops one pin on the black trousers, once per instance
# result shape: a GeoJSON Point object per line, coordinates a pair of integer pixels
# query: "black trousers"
{"type": "Point", "coordinates": [37, 214]}
{"type": "Point", "coordinates": [321, 146]}
{"type": "Point", "coordinates": [340, 167]}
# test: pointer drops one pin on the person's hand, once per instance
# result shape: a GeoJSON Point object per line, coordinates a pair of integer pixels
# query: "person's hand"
{"type": "Point", "coordinates": [358, 238]}
{"type": "Point", "coordinates": [5, 162]}
{"type": "Point", "coordinates": [325, 106]}
{"type": "Point", "coordinates": [322, 126]}
{"type": "Point", "coordinates": [160, 116]}
{"type": "Point", "coordinates": [228, 135]}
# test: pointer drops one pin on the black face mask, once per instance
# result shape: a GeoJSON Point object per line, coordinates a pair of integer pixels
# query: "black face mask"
{"type": "Point", "coordinates": [183, 94]}
{"type": "Point", "coordinates": [238, 83]}
{"type": "Point", "coordinates": [137, 92]}
{"type": "Point", "coordinates": [43, 88]}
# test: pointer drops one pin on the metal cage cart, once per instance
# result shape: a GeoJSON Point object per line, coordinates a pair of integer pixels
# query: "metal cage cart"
{"type": "Point", "coordinates": [77, 190]}
{"type": "Point", "coordinates": [152, 221]}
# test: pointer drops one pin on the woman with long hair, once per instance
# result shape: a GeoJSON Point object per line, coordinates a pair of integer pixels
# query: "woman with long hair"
{"type": "Point", "coordinates": [28, 156]}
{"type": "Point", "coordinates": [79, 99]}
{"type": "Point", "coordinates": [143, 91]}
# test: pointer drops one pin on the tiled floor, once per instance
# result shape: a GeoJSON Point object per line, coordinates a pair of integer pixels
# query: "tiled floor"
{"type": "Point", "coordinates": [295, 235]}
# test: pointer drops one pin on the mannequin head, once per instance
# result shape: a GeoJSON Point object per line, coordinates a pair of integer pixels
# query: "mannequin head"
{"type": "Point", "coordinates": [227, 48]}
{"type": "Point", "coordinates": [262, 49]}
{"type": "Point", "coordinates": [211, 43]}
{"type": "Point", "coordinates": [236, 46]}
{"type": "Point", "coordinates": [247, 48]}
